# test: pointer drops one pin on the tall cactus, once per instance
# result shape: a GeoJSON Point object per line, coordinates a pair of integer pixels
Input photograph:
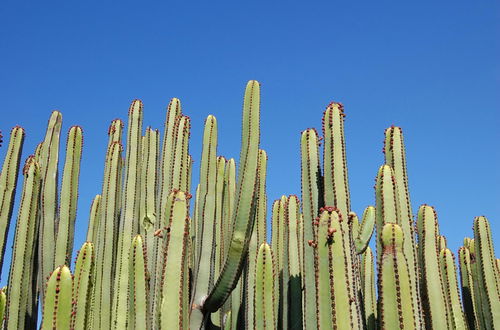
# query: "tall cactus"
{"type": "Point", "coordinates": [395, 300]}
{"type": "Point", "coordinates": [57, 304]}
{"type": "Point", "coordinates": [8, 181]}
{"type": "Point", "coordinates": [21, 267]}
{"type": "Point", "coordinates": [243, 217]}
{"type": "Point", "coordinates": [432, 290]}
{"type": "Point", "coordinates": [311, 196]}
{"type": "Point", "coordinates": [488, 275]}
{"type": "Point", "coordinates": [264, 301]}
{"type": "Point", "coordinates": [129, 225]}
{"type": "Point", "coordinates": [395, 157]}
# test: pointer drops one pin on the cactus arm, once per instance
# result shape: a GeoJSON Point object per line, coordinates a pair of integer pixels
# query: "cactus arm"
{"type": "Point", "coordinates": [311, 182]}
{"type": "Point", "coordinates": [467, 285]}
{"type": "Point", "coordinates": [265, 317]}
{"type": "Point", "coordinates": [433, 299]}
{"type": "Point", "coordinates": [174, 303]}
{"type": "Point", "coordinates": [448, 269]}
{"type": "Point", "coordinates": [69, 197]}
{"type": "Point", "coordinates": [204, 265]}
{"type": "Point", "coordinates": [106, 237]}
{"type": "Point", "coordinates": [245, 200]}
{"type": "Point", "coordinates": [396, 308]}
{"type": "Point", "coordinates": [258, 237]}
{"type": "Point", "coordinates": [324, 281]}
{"type": "Point", "coordinates": [489, 276]}
{"type": "Point", "coordinates": [129, 224]}
{"type": "Point", "coordinates": [364, 234]}
{"type": "Point", "coordinates": [23, 250]}
{"type": "Point", "coordinates": [94, 218]}
{"type": "Point", "coordinates": [8, 181]}
{"type": "Point", "coordinates": [57, 304]}
{"type": "Point", "coordinates": [395, 156]}
{"type": "Point", "coordinates": [294, 284]}
{"type": "Point", "coordinates": [138, 309]}
{"type": "Point", "coordinates": [82, 287]}
{"type": "Point", "coordinates": [368, 290]}
{"type": "Point", "coordinates": [49, 156]}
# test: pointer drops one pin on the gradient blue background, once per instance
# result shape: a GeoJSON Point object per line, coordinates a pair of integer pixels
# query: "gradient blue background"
{"type": "Point", "coordinates": [432, 68]}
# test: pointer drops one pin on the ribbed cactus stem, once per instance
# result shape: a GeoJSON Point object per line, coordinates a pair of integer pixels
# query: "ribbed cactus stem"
{"type": "Point", "coordinates": [368, 290]}
{"type": "Point", "coordinates": [488, 273]}
{"type": "Point", "coordinates": [363, 233]}
{"type": "Point", "coordinates": [139, 317]}
{"type": "Point", "coordinates": [245, 203]}
{"type": "Point", "coordinates": [94, 218]}
{"type": "Point", "coordinates": [453, 303]}
{"type": "Point", "coordinates": [395, 302]}
{"type": "Point", "coordinates": [69, 197]}
{"type": "Point", "coordinates": [294, 284]}
{"type": "Point", "coordinates": [433, 297]}
{"type": "Point", "coordinates": [58, 296]}
{"type": "Point", "coordinates": [311, 195]}
{"type": "Point", "coordinates": [49, 157]}
{"type": "Point", "coordinates": [82, 287]}
{"type": "Point", "coordinates": [334, 295]}
{"type": "Point", "coordinates": [149, 178]}
{"type": "Point", "coordinates": [106, 242]}
{"type": "Point", "coordinates": [204, 265]}
{"type": "Point", "coordinates": [174, 311]}
{"type": "Point", "coordinates": [257, 239]}
{"type": "Point", "coordinates": [20, 276]}
{"type": "Point", "coordinates": [8, 181]}
{"type": "Point", "coordinates": [395, 156]}
{"type": "Point", "coordinates": [467, 284]}
{"type": "Point", "coordinates": [265, 317]}
{"type": "Point", "coordinates": [129, 224]}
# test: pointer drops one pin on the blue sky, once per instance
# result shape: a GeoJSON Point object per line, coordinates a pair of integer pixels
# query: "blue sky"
{"type": "Point", "coordinates": [431, 68]}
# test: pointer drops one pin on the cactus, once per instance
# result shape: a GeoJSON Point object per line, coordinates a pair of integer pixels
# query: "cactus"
{"type": "Point", "coordinates": [57, 304]}
{"type": "Point", "coordinates": [8, 180]}
{"type": "Point", "coordinates": [150, 264]}
{"type": "Point", "coordinates": [395, 302]}
{"type": "Point", "coordinates": [21, 267]}
{"type": "Point", "coordinates": [82, 287]}
{"type": "Point", "coordinates": [264, 317]}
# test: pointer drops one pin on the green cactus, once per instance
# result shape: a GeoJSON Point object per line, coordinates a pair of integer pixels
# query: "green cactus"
{"type": "Point", "coordinates": [243, 217]}
{"type": "Point", "coordinates": [58, 297]}
{"type": "Point", "coordinates": [8, 181]}
{"type": "Point", "coordinates": [433, 295]}
{"type": "Point", "coordinates": [265, 294]}
{"type": "Point", "coordinates": [395, 299]}
{"type": "Point", "coordinates": [174, 312]}
{"type": "Point", "coordinates": [488, 276]}
{"type": "Point", "coordinates": [82, 287]}
{"type": "Point", "coordinates": [21, 268]}
{"type": "Point", "coordinates": [150, 264]}
{"type": "Point", "coordinates": [453, 304]}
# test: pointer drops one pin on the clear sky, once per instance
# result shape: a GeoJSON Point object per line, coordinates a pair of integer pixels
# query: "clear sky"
{"type": "Point", "coordinates": [429, 67]}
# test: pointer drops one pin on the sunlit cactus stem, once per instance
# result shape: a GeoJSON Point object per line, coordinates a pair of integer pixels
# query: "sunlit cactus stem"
{"type": "Point", "coordinates": [69, 197]}
{"type": "Point", "coordinates": [395, 300]}
{"type": "Point", "coordinates": [432, 290]}
{"type": "Point", "coordinates": [243, 217]}
{"type": "Point", "coordinates": [58, 297]}
{"type": "Point", "coordinates": [8, 181]}
{"type": "Point", "coordinates": [488, 274]}
{"type": "Point", "coordinates": [453, 303]}
{"type": "Point", "coordinates": [311, 195]}
{"type": "Point", "coordinates": [21, 268]}
{"type": "Point", "coordinates": [129, 224]}
{"type": "Point", "coordinates": [82, 287]}
{"type": "Point", "coordinates": [265, 317]}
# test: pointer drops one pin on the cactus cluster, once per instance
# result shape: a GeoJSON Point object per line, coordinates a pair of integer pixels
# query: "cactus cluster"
{"type": "Point", "coordinates": [156, 257]}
